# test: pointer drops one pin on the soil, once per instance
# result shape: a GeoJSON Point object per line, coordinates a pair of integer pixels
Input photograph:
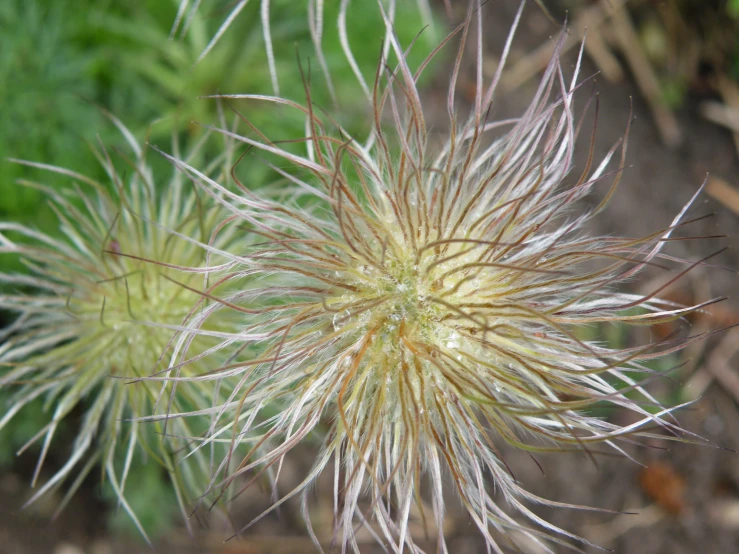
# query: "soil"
{"type": "Point", "coordinates": [683, 500]}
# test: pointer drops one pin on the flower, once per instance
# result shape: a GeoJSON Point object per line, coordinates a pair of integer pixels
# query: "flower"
{"type": "Point", "coordinates": [97, 307]}
{"type": "Point", "coordinates": [415, 306]}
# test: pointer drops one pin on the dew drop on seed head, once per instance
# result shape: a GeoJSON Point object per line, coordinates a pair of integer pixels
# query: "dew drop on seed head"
{"type": "Point", "coordinates": [340, 319]}
{"type": "Point", "coordinates": [452, 340]}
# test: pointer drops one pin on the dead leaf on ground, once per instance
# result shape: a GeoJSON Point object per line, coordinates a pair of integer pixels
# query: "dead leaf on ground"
{"type": "Point", "coordinates": [661, 482]}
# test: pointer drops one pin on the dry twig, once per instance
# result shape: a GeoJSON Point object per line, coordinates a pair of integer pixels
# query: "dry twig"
{"type": "Point", "coordinates": [645, 77]}
{"type": "Point", "coordinates": [729, 91]}
{"type": "Point", "coordinates": [724, 193]}
{"type": "Point", "coordinates": [589, 18]}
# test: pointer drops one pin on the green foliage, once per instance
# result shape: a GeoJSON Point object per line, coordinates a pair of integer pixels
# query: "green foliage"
{"type": "Point", "coordinates": [45, 75]}
{"type": "Point", "coordinates": [14, 436]}
{"type": "Point", "coordinates": [150, 496]}
{"type": "Point", "coordinates": [59, 61]}
{"type": "Point", "coordinates": [733, 8]}
{"type": "Point", "coordinates": [673, 92]}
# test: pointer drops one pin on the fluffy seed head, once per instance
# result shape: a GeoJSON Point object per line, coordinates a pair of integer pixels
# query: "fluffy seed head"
{"type": "Point", "coordinates": [416, 306]}
{"type": "Point", "coordinates": [99, 302]}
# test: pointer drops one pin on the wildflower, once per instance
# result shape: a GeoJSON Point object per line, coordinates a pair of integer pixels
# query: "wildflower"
{"type": "Point", "coordinates": [100, 301]}
{"type": "Point", "coordinates": [423, 302]}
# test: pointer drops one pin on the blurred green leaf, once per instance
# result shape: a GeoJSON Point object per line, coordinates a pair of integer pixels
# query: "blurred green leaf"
{"type": "Point", "coordinates": [149, 493]}
{"type": "Point", "coordinates": [733, 8]}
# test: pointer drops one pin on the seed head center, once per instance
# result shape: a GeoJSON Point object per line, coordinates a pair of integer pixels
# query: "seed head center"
{"type": "Point", "coordinates": [407, 294]}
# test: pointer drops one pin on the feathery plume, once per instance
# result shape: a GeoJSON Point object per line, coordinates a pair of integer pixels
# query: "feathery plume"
{"type": "Point", "coordinates": [99, 302]}
{"type": "Point", "coordinates": [416, 306]}
{"type": "Point", "coordinates": [315, 12]}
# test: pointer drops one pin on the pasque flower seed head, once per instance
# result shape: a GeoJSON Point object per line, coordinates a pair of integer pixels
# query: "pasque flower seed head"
{"type": "Point", "coordinates": [415, 306]}
{"type": "Point", "coordinates": [97, 308]}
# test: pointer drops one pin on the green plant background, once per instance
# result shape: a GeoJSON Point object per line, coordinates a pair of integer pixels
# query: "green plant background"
{"type": "Point", "coordinates": [61, 60]}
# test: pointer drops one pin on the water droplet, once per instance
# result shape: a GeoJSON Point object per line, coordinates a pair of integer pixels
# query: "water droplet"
{"type": "Point", "coordinates": [341, 319]}
{"type": "Point", "coordinates": [452, 341]}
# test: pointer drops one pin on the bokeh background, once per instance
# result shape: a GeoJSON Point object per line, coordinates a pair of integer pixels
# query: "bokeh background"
{"type": "Point", "coordinates": [671, 65]}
